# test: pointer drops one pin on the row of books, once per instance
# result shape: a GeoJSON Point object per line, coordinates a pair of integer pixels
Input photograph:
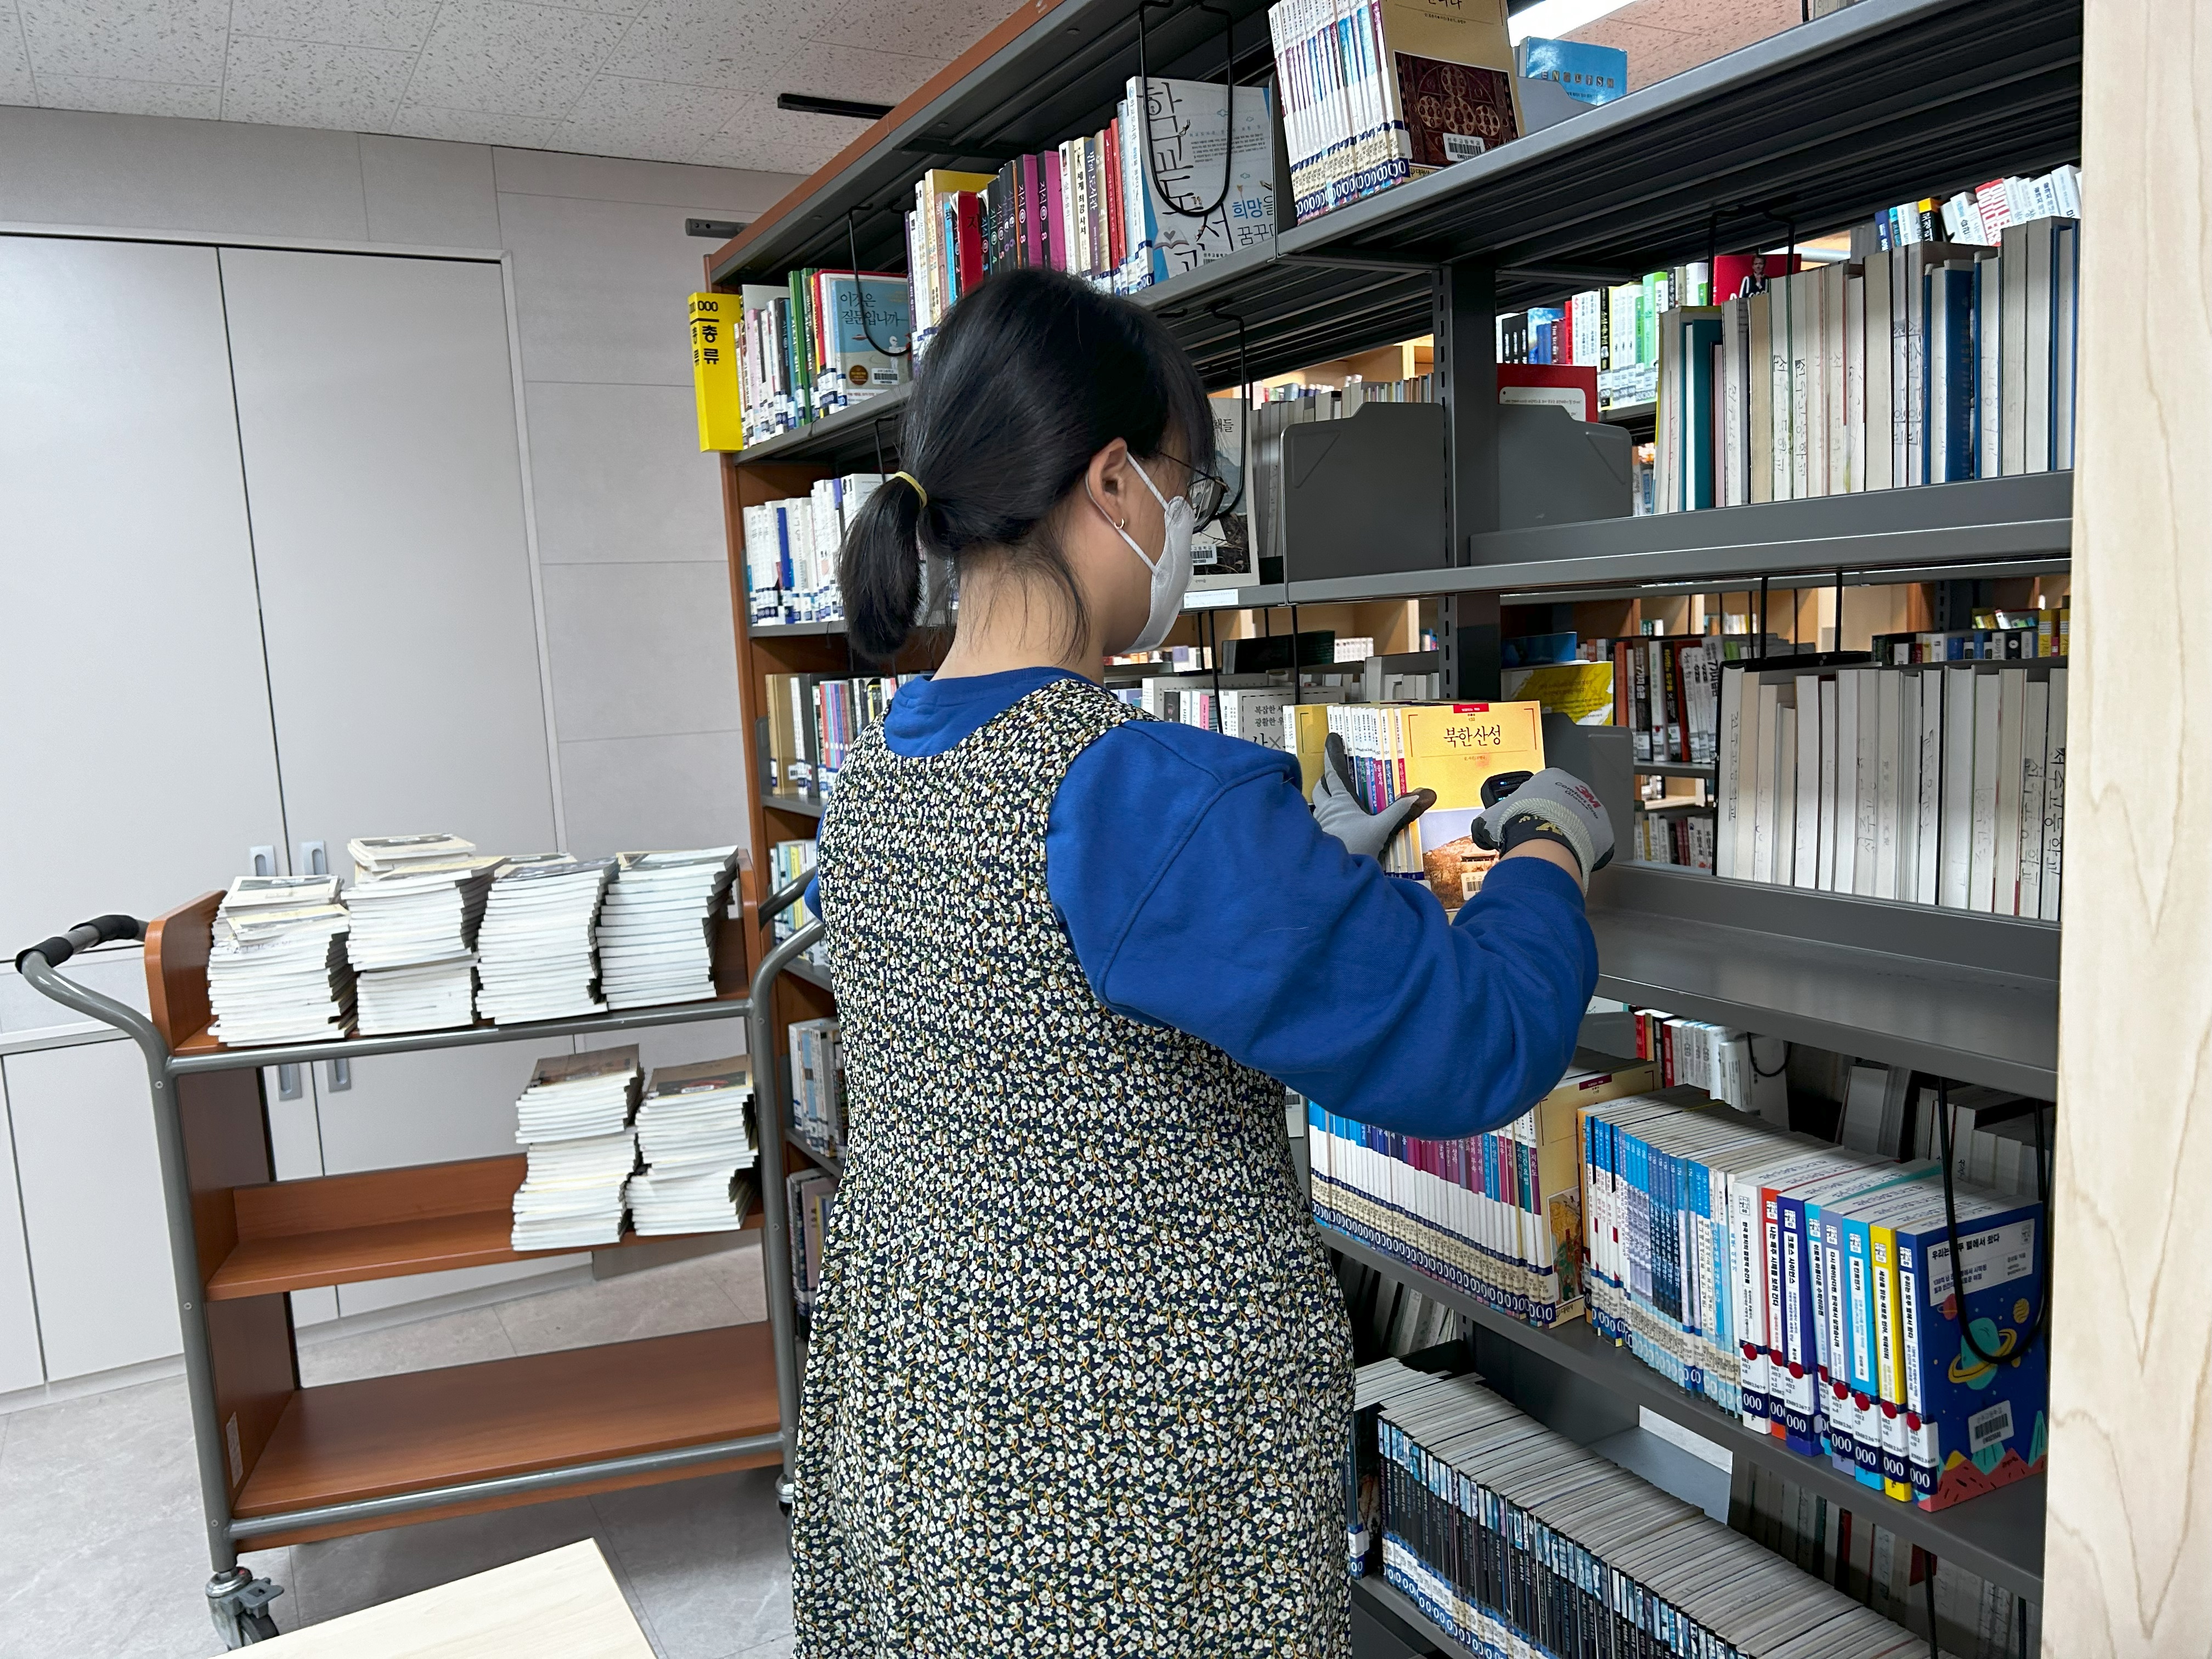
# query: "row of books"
{"type": "Point", "coordinates": [1614, 331]}
{"type": "Point", "coordinates": [1183, 174]}
{"type": "Point", "coordinates": [1813, 1289]}
{"type": "Point", "coordinates": [818, 342]}
{"type": "Point", "coordinates": [1377, 92]}
{"type": "Point", "coordinates": [670, 1154]}
{"type": "Point", "coordinates": [791, 550]}
{"type": "Point", "coordinates": [817, 1086]}
{"type": "Point", "coordinates": [1943, 784]}
{"type": "Point", "coordinates": [1980, 215]}
{"type": "Point", "coordinates": [788, 861]}
{"type": "Point", "coordinates": [432, 933]}
{"type": "Point", "coordinates": [1995, 1135]}
{"type": "Point", "coordinates": [1922, 364]}
{"type": "Point", "coordinates": [1996, 636]}
{"type": "Point", "coordinates": [1854, 1552]}
{"type": "Point", "coordinates": [1498, 1216]}
{"type": "Point", "coordinates": [1672, 831]}
{"type": "Point", "coordinates": [1513, 1539]}
{"type": "Point", "coordinates": [1697, 1054]}
{"type": "Point", "coordinates": [810, 1196]}
{"type": "Point", "coordinates": [813, 721]}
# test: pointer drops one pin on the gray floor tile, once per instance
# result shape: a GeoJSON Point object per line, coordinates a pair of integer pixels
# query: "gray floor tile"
{"type": "Point", "coordinates": [453, 1339]}
{"type": "Point", "coordinates": [100, 1512]}
{"type": "Point", "coordinates": [686, 1296]}
{"type": "Point", "coordinates": [710, 1560]}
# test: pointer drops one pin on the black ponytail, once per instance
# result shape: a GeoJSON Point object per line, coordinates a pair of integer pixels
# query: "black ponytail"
{"type": "Point", "coordinates": [1033, 373]}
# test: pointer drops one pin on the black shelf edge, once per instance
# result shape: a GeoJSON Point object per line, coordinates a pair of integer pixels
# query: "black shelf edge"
{"type": "Point", "coordinates": [1888, 535]}
{"type": "Point", "coordinates": [841, 435]}
{"type": "Point", "coordinates": [1997, 1536]}
{"type": "Point", "coordinates": [1888, 99]}
{"type": "Point", "coordinates": [1396, 1608]}
{"type": "Point", "coordinates": [1675, 769]}
{"type": "Point", "coordinates": [1963, 996]}
{"type": "Point", "coordinates": [799, 805]}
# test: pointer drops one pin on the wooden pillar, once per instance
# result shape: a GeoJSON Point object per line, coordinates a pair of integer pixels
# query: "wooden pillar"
{"type": "Point", "coordinates": [2129, 1532]}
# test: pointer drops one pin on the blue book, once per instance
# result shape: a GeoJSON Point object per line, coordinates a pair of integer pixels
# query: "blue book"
{"type": "Point", "coordinates": [1947, 386]}
{"type": "Point", "coordinates": [1591, 74]}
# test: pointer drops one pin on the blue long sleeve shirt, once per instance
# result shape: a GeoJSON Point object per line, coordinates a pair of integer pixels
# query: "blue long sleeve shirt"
{"type": "Point", "coordinates": [1199, 893]}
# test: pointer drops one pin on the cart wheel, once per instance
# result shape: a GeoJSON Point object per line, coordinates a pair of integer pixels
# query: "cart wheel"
{"type": "Point", "coordinates": [783, 1493]}
{"type": "Point", "coordinates": [240, 1605]}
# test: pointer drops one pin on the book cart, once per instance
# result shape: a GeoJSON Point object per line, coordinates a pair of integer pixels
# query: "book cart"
{"type": "Point", "coordinates": [281, 1463]}
{"type": "Point", "coordinates": [1812, 129]}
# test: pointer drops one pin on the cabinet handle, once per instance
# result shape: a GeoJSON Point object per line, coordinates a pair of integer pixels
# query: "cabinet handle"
{"type": "Point", "coordinates": [287, 1082]}
{"type": "Point", "coordinates": [313, 861]}
{"type": "Point", "coordinates": [341, 1075]}
{"type": "Point", "coordinates": [262, 860]}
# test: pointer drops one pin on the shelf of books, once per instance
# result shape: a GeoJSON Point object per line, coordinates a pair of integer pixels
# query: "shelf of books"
{"type": "Point", "coordinates": [1823, 585]}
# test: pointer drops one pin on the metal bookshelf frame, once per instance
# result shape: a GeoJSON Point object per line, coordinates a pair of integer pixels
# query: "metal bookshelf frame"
{"type": "Point", "coordinates": [1809, 129]}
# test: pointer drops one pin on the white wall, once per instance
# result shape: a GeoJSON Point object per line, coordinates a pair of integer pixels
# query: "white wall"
{"type": "Point", "coordinates": [639, 654]}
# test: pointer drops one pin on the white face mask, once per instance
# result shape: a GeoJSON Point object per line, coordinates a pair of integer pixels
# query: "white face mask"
{"type": "Point", "coordinates": [1171, 571]}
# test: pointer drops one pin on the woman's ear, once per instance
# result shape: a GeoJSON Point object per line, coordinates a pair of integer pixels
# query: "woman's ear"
{"type": "Point", "coordinates": [1108, 483]}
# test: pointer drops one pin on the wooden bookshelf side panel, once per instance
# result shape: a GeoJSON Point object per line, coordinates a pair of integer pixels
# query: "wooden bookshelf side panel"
{"type": "Point", "coordinates": [176, 968]}
{"type": "Point", "coordinates": [256, 1375]}
{"type": "Point", "coordinates": [2129, 1537]}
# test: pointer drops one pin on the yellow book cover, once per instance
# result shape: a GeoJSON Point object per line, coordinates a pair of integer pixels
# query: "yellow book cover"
{"type": "Point", "coordinates": [1451, 748]}
{"type": "Point", "coordinates": [716, 393]}
{"type": "Point", "coordinates": [1559, 1165]}
{"type": "Point", "coordinates": [1583, 692]}
{"type": "Point", "coordinates": [1452, 75]}
{"type": "Point", "coordinates": [1310, 738]}
{"type": "Point", "coordinates": [1889, 1371]}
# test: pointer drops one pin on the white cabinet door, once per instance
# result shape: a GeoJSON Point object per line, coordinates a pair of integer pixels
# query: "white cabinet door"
{"type": "Point", "coordinates": [375, 397]}
{"type": "Point", "coordinates": [20, 1366]}
{"type": "Point", "coordinates": [91, 1183]}
{"type": "Point", "coordinates": [135, 738]}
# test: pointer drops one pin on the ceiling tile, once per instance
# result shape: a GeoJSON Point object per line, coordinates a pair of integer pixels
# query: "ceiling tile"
{"type": "Point", "coordinates": [607, 8]}
{"type": "Point", "coordinates": [306, 83]}
{"type": "Point", "coordinates": [179, 42]}
{"type": "Point", "coordinates": [400, 24]}
{"type": "Point", "coordinates": [702, 43]}
{"type": "Point", "coordinates": [937, 30]}
{"type": "Point", "coordinates": [128, 97]}
{"type": "Point", "coordinates": [469, 126]}
{"type": "Point", "coordinates": [761, 135]}
{"type": "Point", "coordinates": [507, 59]}
{"type": "Point", "coordinates": [15, 86]}
{"type": "Point", "coordinates": [648, 119]}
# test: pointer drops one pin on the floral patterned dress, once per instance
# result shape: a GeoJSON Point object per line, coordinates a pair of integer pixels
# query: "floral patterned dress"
{"type": "Point", "coordinates": [1079, 1379]}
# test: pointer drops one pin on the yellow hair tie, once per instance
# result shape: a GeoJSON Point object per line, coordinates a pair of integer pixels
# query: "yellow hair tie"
{"type": "Point", "coordinates": [916, 483]}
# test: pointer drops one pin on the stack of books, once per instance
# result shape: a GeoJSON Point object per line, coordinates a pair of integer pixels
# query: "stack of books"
{"type": "Point", "coordinates": [574, 1118]}
{"type": "Point", "coordinates": [276, 968]}
{"type": "Point", "coordinates": [415, 907]}
{"type": "Point", "coordinates": [695, 1136]}
{"type": "Point", "coordinates": [534, 953]}
{"type": "Point", "coordinates": [792, 547]}
{"type": "Point", "coordinates": [655, 932]}
{"type": "Point", "coordinates": [813, 721]}
{"type": "Point", "coordinates": [817, 1086]}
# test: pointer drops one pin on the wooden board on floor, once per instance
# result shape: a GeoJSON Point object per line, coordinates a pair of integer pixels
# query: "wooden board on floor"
{"type": "Point", "coordinates": [564, 1604]}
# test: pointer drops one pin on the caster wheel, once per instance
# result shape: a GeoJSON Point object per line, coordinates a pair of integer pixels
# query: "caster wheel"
{"type": "Point", "coordinates": [257, 1627]}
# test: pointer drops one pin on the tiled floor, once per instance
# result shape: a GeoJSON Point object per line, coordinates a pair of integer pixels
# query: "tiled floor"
{"type": "Point", "coordinates": [100, 1510]}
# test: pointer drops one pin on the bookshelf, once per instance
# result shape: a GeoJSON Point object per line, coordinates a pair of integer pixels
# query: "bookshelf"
{"type": "Point", "coordinates": [1885, 99]}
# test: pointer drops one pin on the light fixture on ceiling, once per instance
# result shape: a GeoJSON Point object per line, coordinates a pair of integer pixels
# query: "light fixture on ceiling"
{"type": "Point", "coordinates": [805, 103]}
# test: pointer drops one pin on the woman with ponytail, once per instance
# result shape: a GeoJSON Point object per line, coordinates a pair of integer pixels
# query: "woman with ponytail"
{"type": "Point", "coordinates": [1079, 1375]}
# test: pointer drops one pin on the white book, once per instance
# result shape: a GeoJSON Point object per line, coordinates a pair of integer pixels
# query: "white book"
{"type": "Point", "coordinates": [1890, 687]}
{"type": "Point", "coordinates": [2040, 344]}
{"type": "Point", "coordinates": [1904, 379]}
{"type": "Point", "coordinates": [2054, 797]}
{"type": "Point", "coordinates": [1763, 786]}
{"type": "Point", "coordinates": [2012, 351]}
{"type": "Point", "coordinates": [1735, 323]}
{"type": "Point", "coordinates": [2034, 740]}
{"type": "Point", "coordinates": [1778, 401]}
{"type": "Point", "coordinates": [1874, 435]}
{"type": "Point", "coordinates": [1836, 288]}
{"type": "Point", "coordinates": [1981, 878]}
{"type": "Point", "coordinates": [1930, 690]}
{"type": "Point", "coordinates": [1804, 289]}
{"type": "Point", "coordinates": [1909, 760]}
{"type": "Point", "coordinates": [1728, 781]}
{"type": "Point", "coordinates": [1786, 783]}
{"type": "Point", "coordinates": [1955, 848]}
{"type": "Point", "coordinates": [1844, 873]}
{"type": "Point", "coordinates": [1831, 746]}
{"type": "Point", "coordinates": [1989, 305]}
{"type": "Point", "coordinates": [1869, 773]}
{"type": "Point", "coordinates": [1811, 341]}
{"type": "Point", "coordinates": [1854, 385]}
{"type": "Point", "coordinates": [1805, 861]}
{"type": "Point", "coordinates": [2012, 723]}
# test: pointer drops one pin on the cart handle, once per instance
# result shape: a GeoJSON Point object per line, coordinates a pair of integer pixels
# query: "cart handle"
{"type": "Point", "coordinates": [100, 929]}
{"type": "Point", "coordinates": [784, 897]}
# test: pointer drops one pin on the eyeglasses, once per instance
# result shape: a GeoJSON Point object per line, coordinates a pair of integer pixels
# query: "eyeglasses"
{"type": "Point", "coordinates": [1208, 495]}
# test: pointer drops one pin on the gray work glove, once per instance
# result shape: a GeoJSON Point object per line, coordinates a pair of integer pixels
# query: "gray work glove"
{"type": "Point", "coordinates": [1553, 806]}
{"type": "Point", "coordinates": [1336, 808]}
